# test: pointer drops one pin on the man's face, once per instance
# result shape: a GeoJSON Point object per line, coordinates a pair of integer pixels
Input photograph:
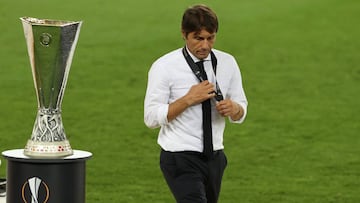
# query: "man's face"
{"type": "Point", "coordinates": [200, 43]}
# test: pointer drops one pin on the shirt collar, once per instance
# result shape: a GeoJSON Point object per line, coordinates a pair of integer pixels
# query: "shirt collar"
{"type": "Point", "coordinates": [195, 59]}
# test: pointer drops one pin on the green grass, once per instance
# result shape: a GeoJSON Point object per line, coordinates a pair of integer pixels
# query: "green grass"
{"type": "Point", "coordinates": [300, 66]}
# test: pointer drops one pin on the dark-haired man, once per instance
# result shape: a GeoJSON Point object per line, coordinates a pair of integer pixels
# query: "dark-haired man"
{"type": "Point", "coordinates": [190, 91]}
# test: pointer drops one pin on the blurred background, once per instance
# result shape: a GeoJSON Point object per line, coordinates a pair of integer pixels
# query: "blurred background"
{"type": "Point", "coordinates": [300, 65]}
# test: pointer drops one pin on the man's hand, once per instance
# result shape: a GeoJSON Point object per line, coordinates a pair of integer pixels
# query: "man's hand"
{"type": "Point", "coordinates": [199, 93]}
{"type": "Point", "coordinates": [229, 108]}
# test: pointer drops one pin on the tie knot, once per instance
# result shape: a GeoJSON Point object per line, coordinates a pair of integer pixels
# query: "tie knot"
{"type": "Point", "coordinates": [200, 64]}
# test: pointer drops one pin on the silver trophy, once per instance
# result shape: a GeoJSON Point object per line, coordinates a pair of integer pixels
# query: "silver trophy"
{"type": "Point", "coordinates": [51, 45]}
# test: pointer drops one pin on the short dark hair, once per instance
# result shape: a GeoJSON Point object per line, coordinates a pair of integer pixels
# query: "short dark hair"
{"type": "Point", "coordinates": [199, 17]}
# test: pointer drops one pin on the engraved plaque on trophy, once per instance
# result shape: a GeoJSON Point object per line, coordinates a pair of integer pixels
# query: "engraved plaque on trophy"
{"type": "Point", "coordinates": [51, 45]}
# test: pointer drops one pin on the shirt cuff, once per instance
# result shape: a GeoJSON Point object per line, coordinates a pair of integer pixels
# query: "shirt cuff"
{"type": "Point", "coordinates": [162, 115]}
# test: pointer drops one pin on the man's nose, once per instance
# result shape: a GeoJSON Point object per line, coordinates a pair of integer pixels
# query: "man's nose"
{"type": "Point", "coordinates": [205, 44]}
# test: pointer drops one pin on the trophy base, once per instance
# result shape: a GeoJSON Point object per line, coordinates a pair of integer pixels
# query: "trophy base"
{"type": "Point", "coordinates": [48, 149]}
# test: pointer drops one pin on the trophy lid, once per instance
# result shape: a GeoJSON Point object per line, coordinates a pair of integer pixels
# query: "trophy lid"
{"type": "Point", "coordinates": [47, 22]}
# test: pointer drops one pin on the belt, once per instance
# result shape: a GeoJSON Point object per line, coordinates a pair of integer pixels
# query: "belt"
{"type": "Point", "coordinates": [195, 153]}
{"type": "Point", "coordinates": [217, 152]}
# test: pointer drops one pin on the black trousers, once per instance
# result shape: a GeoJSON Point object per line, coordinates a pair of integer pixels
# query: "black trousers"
{"type": "Point", "coordinates": [191, 177]}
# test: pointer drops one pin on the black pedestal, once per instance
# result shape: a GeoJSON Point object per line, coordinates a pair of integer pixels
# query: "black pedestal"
{"type": "Point", "coordinates": [45, 180]}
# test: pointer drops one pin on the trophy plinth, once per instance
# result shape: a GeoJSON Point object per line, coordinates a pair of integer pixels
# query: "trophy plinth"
{"type": "Point", "coordinates": [51, 45]}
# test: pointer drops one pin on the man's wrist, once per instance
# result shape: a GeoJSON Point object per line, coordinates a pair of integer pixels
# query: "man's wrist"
{"type": "Point", "coordinates": [239, 110]}
{"type": "Point", "coordinates": [238, 113]}
{"type": "Point", "coordinates": [186, 101]}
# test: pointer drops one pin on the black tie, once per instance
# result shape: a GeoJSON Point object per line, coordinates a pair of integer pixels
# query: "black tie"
{"type": "Point", "coordinates": [206, 110]}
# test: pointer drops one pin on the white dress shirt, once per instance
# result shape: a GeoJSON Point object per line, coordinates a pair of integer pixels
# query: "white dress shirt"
{"type": "Point", "coordinates": [169, 79]}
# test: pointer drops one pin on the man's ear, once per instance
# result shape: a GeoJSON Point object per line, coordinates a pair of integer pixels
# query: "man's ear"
{"type": "Point", "coordinates": [183, 34]}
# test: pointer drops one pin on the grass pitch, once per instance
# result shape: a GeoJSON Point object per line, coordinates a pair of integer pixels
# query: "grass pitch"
{"type": "Point", "coordinates": [300, 66]}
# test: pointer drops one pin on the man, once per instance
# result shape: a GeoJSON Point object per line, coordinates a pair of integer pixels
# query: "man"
{"type": "Point", "coordinates": [190, 92]}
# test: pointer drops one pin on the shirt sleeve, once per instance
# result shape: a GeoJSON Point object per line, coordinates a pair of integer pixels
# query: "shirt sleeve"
{"type": "Point", "coordinates": [236, 91]}
{"type": "Point", "coordinates": [156, 99]}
